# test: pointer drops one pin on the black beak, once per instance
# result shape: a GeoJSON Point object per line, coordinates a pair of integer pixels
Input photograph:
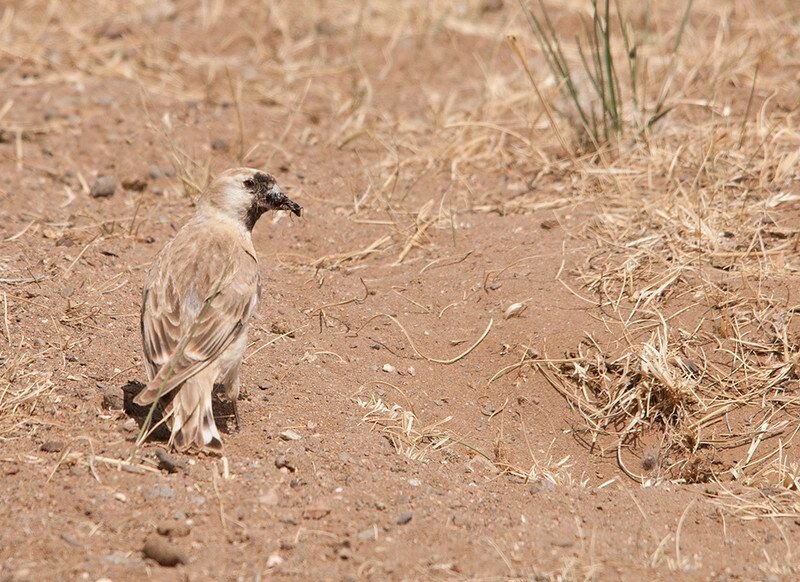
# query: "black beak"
{"type": "Point", "coordinates": [279, 201]}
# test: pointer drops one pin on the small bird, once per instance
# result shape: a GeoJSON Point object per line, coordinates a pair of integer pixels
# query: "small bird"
{"type": "Point", "coordinates": [197, 301]}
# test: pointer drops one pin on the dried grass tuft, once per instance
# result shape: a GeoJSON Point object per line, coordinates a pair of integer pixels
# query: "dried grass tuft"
{"type": "Point", "coordinates": [691, 279]}
{"type": "Point", "coordinates": [403, 429]}
{"type": "Point", "coordinates": [21, 387]}
{"type": "Point", "coordinates": [417, 441]}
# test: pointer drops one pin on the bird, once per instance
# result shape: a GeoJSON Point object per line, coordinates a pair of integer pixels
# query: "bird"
{"type": "Point", "coordinates": [197, 301]}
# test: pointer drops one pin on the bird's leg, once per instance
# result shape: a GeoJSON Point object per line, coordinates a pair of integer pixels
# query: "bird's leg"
{"type": "Point", "coordinates": [232, 394]}
{"type": "Point", "coordinates": [236, 418]}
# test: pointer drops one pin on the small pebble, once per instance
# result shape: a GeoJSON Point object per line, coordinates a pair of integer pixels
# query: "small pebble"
{"type": "Point", "coordinates": [118, 558]}
{"type": "Point", "coordinates": [103, 186]}
{"type": "Point", "coordinates": [52, 447]}
{"type": "Point", "coordinates": [112, 398]}
{"type": "Point", "coordinates": [404, 518]}
{"type": "Point", "coordinates": [369, 534]}
{"type": "Point", "coordinates": [219, 145]}
{"type": "Point", "coordinates": [135, 184]}
{"type": "Point", "coordinates": [161, 491]}
{"type": "Point", "coordinates": [167, 463]}
{"type": "Point", "coordinates": [316, 511]}
{"type": "Point", "coordinates": [491, 6]}
{"type": "Point", "coordinates": [274, 560]}
{"type": "Point", "coordinates": [283, 462]}
{"type": "Point", "coordinates": [173, 529]}
{"type": "Point", "coordinates": [388, 368]}
{"type": "Point", "coordinates": [414, 482]}
{"type": "Point", "coordinates": [291, 435]}
{"type": "Point", "coordinates": [130, 425]}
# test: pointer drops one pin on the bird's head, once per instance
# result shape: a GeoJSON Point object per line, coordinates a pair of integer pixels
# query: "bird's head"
{"type": "Point", "coordinates": [245, 194]}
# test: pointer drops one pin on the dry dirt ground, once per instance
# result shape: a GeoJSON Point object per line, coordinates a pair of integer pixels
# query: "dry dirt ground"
{"type": "Point", "coordinates": [631, 418]}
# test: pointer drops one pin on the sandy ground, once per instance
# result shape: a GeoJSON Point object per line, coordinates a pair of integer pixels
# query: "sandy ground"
{"type": "Point", "coordinates": [397, 423]}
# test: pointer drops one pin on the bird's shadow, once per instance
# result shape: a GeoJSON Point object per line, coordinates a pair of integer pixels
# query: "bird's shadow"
{"type": "Point", "coordinates": [223, 411]}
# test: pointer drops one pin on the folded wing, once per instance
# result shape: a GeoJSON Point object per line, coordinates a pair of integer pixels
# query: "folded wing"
{"type": "Point", "coordinates": [196, 302]}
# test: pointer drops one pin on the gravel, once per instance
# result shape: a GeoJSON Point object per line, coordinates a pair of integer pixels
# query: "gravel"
{"type": "Point", "coordinates": [103, 187]}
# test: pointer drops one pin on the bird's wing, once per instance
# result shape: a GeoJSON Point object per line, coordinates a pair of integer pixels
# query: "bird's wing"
{"type": "Point", "coordinates": [197, 300]}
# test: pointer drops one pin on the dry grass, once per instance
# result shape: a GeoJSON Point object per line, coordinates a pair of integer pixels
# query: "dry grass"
{"type": "Point", "coordinates": [21, 387]}
{"type": "Point", "coordinates": [692, 284]}
{"type": "Point", "coordinates": [403, 429]}
{"type": "Point", "coordinates": [692, 230]}
{"type": "Point", "coordinates": [417, 441]}
{"type": "Point", "coordinates": [691, 273]}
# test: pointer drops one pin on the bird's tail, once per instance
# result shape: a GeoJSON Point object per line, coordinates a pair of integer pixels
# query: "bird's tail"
{"type": "Point", "coordinates": [192, 416]}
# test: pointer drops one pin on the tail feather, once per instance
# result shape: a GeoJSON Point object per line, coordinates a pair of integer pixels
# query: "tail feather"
{"type": "Point", "coordinates": [192, 416]}
{"type": "Point", "coordinates": [169, 377]}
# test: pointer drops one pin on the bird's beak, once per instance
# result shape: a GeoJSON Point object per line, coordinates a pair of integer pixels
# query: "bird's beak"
{"type": "Point", "coordinates": [279, 201]}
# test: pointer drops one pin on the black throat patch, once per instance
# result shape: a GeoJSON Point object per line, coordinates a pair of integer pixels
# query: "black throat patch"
{"type": "Point", "coordinates": [258, 185]}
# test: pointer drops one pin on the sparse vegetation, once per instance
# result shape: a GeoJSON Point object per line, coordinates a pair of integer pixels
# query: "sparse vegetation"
{"type": "Point", "coordinates": [21, 387]}
{"type": "Point", "coordinates": [609, 47]}
{"type": "Point", "coordinates": [560, 235]}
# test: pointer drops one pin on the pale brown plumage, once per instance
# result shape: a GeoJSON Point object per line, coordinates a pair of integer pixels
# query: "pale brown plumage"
{"type": "Point", "coordinates": [198, 298]}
